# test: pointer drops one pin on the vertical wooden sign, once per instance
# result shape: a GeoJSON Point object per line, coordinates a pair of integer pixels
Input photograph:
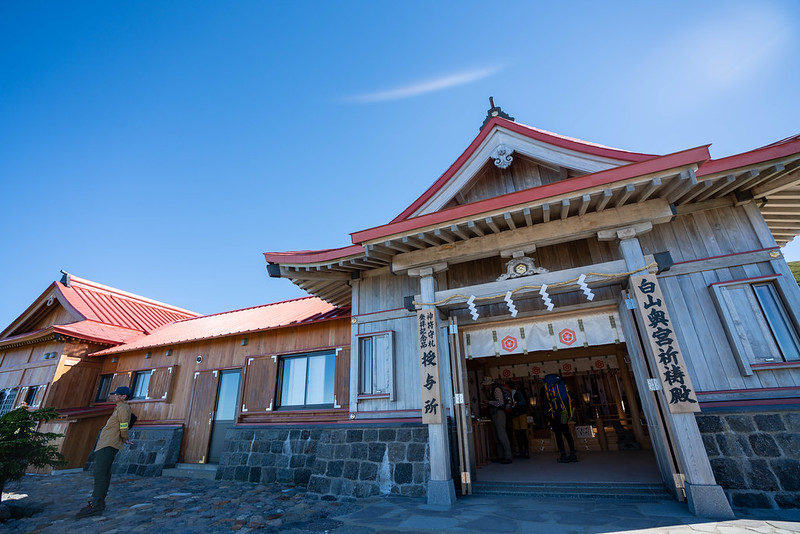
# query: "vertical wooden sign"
{"type": "Point", "coordinates": [429, 368]}
{"type": "Point", "coordinates": [660, 334]}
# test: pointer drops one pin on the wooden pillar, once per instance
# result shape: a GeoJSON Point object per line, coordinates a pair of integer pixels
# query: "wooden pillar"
{"type": "Point", "coordinates": [441, 489]}
{"type": "Point", "coordinates": [630, 392]}
{"type": "Point", "coordinates": [705, 496]}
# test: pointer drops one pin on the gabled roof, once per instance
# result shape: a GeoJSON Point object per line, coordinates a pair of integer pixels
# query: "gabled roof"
{"type": "Point", "coordinates": [295, 312]}
{"type": "Point", "coordinates": [606, 178]}
{"type": "Point", "coordinates": [100, 313]}
{"type": "Point", "coordinates": [603, 156]}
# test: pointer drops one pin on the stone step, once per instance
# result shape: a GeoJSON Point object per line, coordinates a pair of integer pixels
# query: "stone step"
{"type": "Point", "coordinates": [204, 471]}
{"type": "Point", "coordinates": [583, 490]}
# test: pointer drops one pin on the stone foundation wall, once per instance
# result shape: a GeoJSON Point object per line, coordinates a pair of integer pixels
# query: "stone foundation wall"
{"type": "Point", "coordinates": [153, 450]}
{"type": "Point", "coordinates": [755, 456]}
{"type": "Point", "coordinates": [342, 461]}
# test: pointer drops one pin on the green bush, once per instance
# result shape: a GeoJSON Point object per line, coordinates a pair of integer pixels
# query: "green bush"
{"type": "Point", "coordinates": [22, 446]}
{"type": "Point", "coordinates": [794, 266]}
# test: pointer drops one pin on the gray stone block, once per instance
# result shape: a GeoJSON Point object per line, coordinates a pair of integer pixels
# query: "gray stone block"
{"type": "Point", "coordinates": [764, 445]}
{"type": "Point", "coordinates": [387, 434]}
{"type": "Point", "coordinates": [269, 475]}
{"type": "Point", "coordinates": [789, 444]}
{"type": "Point", "coordinates": [769, 422]}
{"type": "Point", "coordinates": [416, 452]}
{"type": "Point", "coordinates": [751, 500]}
{"type": "Point", "coordinates": [376, 452]}
{"type": "Point", "coordinates": [350, 470]}
{"type": "Point", "coordinates": [708, 501]}
{"type": "Point", "coordinates": [710, 423]}
{"type": "Point", "coordinates": [740, 423]}
{"type": "Point", "coordinates": [354, 435]}
{"type": "Point", "coordinates": [368, 471]}
{"type": "Point", "coordinates": [759, 476]}
{"type": "Point", "coordinates": [728, 473]}
{"type": "Point", "coordinates": [319, 484]}
{"type": "Point", "coordinates": [403, 473]}
{"type": "Point", "coordinates": [792, 421]}
{"type": "Point", "coordinates": [788, 500]}
{"type": "Point", "coordinates": [788, 473]}
{"type": "Point", "coordinates": [370, 435]}
{"type": "Point", "coordinates": [710, 444]}
{"type": "Point", "coordinates": [335, 468]}
{"type": "Point", "coordinates": [397, 452]}
{"type": "Point", "coordinates": [358, 451]}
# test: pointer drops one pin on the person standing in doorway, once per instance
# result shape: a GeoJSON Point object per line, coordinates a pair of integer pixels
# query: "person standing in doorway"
{"type": "Point", "coordinates": [498, 401]}
{"type": "Point", "coordinates": [560, 411]}
{"type": "Point", "coordinates": [519, 421]}
{"type": "Point", "coordinates": [113, 437]}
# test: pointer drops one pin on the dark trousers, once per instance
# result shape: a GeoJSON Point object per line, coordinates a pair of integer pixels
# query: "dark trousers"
{"type": "Point", "coordinates": [103, 459]}
{"type": "Point", "coordinates": [562, 432]}
{"type": "Point", "coordinates": [500, 434]}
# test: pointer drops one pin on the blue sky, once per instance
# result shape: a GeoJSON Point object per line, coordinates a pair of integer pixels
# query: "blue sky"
{"type": "Point", "coordinates": [160, 148]}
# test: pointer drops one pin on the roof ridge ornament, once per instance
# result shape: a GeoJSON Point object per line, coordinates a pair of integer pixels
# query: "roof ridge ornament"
{"type": "Point", "coordinates": [493, 112]}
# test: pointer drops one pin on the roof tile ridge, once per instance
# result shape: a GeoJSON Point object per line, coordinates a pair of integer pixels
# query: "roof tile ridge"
{"type": "Point", "coordinates": [581, 141]}
{"type": "Point", "coordinates": [91, 285]}
{"type": "Point", "coordinates": [101, 323]}
{"type": "Point", "coordinates": [249, 308]}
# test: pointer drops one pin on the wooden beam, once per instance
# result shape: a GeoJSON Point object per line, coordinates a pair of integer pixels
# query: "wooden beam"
{"type": "Point", "coordinates": [381, 248]}
{"type": "Point", "coordinates": [509, 221]}
{"type": "Point", "coordinates": [374, 254]}
{"type": "Point", "coordinates": [444, 235]}
{"type": "Point", "coordinates": [413, 242]}
{"type": "Point", "coordinates": [601, 205]}
{"type": "Point", "coordinates": [526, 212]}
{"type": "Point", "coordinates": [654, 184]}
{"type": "Point", "coordinates": [626, 194]}
{"type": "Point", "coordinates": [790, 180]}
{"type": "Point", "coordinates": [764, 175]}
{"type": "Point", "coordinates": [546, 212]}
{"type": "Point", "coordinates": [719, 185]}
{"type": "Point", "coordinates": [429, 238]}
{"type": "Point", "coordinates": [703, 186]}
{"type": "Point", "coordinates": [457, 230]}
{"type": "Point", "coordinates": [657, 211]}
{"type": "Point", "coordinates": [743, 178]}
{"type": "Point", "coordinates": [289, 272]}
{"type": "Point", "coordinates": [499, 289]}
{"type": "Point", "coordinates": [397, 245]}
{"type": "Point", "coordinates": [491, 224]}
{"type": "Point", "coordinates": [564, 208]}
{"type": "Point", "coordinates": [475, 229]}
{"type": "Point", "coordinates": [688, 181]}
{"type": "Point", "coordinates": [585, 200]}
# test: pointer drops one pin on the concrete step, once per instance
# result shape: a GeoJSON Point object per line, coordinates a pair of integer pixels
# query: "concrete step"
{"type": "Point", "coordinates": [204, 471]}
{"type": "Point", "coordinates": [570, 490]}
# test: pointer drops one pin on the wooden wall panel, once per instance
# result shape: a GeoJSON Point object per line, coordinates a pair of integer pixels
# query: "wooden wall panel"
{"type": "Point", "coordinates": [10, 378]}
{"type": "Point", "coordinates": [160, 384]}
{"type": "Point", "coordinates": [17, 356]}
{"type": "Point", "coordinates": [58, 315]}
{"type": "Point", "coordinates": [259, 385]}
{"type": "Point", "coordinates": [42, 374]}
{"type": "Point", "coordinates": [342, 386]}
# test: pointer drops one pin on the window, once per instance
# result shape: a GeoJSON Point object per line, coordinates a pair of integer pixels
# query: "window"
{"type": "Point", "coordinates": [376, 365]}
{"type": "Point", "coordinates": [758, 324]}
{"type": "Point", "coordinates": [141, 384]}
{"type": "Point", "coordinates": [30, 397]}
{"type": "Point", "coordinates": [307, 379]}
{"type": "Point", "coordinates": [103, 388]}
{"type": "Point", "coordinates": [7, 398]}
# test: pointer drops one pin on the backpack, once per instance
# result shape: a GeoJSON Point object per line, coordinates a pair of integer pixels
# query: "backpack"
{"type": "Point", "coordinates": [508, 402]}
{"type": "Point", "coordinates": [520, 403]}
{"type": "Point", "coordinates": [558, 399]}
{"type": "Point", "coordinates": [132, 420]}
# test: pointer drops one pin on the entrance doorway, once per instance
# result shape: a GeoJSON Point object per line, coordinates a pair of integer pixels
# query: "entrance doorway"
{"type": "Point", "coordinates": [214, 399]}
{"type": "Point", "coordinates": [610, 432]}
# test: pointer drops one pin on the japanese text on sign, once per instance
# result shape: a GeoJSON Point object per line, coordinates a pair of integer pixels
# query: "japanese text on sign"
{"type": "Point", "coordinates": [429, 367]}
{"type": "Point", "coordinates": [660, 333]}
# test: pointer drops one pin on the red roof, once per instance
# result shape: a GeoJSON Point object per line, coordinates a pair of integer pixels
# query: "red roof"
{"type": "Point", "coordinates": [277, 315]}
{"type": "Point", "coordinates": [779, 149]}
{"type": "Point", "coordinates": [311, 256]}
{"type": "Point", "coordinates": [550, 138]}
{"type": "Point", "coordinates": [110, 306]}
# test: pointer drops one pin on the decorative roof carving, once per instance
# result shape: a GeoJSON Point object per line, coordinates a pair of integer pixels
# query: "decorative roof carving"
{"type": "Point", "coordinates": [502, 156]}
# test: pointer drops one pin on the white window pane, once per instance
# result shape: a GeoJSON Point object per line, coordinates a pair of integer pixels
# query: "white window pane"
{"type": "Point", "coordinates": [778, 321]}
{"type": "Point", "coordinates": [294, 381]}
{"type": "Point", "coordinates": [320, 379]}
{"type": "Point", "coordinates": [227, 396]}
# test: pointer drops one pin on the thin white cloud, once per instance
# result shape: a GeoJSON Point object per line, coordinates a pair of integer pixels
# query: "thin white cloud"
{"type": "Point", "coordinates": [424, 87]}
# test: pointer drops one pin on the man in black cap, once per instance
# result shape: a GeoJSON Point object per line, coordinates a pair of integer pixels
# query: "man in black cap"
{"type": "Point", "coordinates": [113, 437]}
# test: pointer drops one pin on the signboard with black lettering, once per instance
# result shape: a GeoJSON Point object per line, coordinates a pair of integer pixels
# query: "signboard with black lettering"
{"type": "Point", "coordinates": [659, 331]}
{"type": "Point", "coordinates": [429, 367]}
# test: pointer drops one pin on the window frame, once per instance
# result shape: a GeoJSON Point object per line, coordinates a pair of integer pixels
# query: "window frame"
{"type": "Point", "coordinates": [281, 394]}
{"type": "Point", "coordinates": [736, 332]}
{"type": "Point", "coordinates": [372, 364]}
{"type": "Point", "coordinates": [135, 384]}
{"type": "Point", "coordinates": [99, 389]}
{"type": "Point", "coordinates": [5, 402]}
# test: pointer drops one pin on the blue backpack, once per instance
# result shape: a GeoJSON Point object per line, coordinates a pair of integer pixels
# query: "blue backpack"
{"type": "Point", "coordinates": [558, 398]}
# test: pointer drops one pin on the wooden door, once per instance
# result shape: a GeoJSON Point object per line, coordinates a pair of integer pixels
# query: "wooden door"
{"type": "Point", "coordinates": [657, 426]}
{"type": "Point", "coordinates": [201, 416]}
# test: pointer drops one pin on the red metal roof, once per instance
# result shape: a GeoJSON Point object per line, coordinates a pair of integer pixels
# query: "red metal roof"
{"type": "Point", "coordinates": [528, 131]}
{"type": "Point", "coordinates": [779, 149]}
{"type": "Point", "coordinates": [109, 306]}
{"type": "Point", "coordinates": [311, 256]}
{"type": "Point", "coordinates": [632, 170]}
{"type": "Point", "coordinates": [277, 315]}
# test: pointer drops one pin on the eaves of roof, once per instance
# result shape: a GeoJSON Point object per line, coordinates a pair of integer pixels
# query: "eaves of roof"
{"type": "Point", "coordinates": [311, 256]}
{"type": "Point", "coordinates": [780, 149]}
{"type": "Point", "coordinates": [528, 131]}
{"type": "Point", "coordinates": [696, 156]}
{"type": "Point", "coordinates": [84, 330]}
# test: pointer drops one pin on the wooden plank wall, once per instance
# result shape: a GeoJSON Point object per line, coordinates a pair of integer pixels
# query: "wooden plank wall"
{"type": "Point", "coordinates": [708, 353]}
{"type": "Point", "coordinates": [229, 353]}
